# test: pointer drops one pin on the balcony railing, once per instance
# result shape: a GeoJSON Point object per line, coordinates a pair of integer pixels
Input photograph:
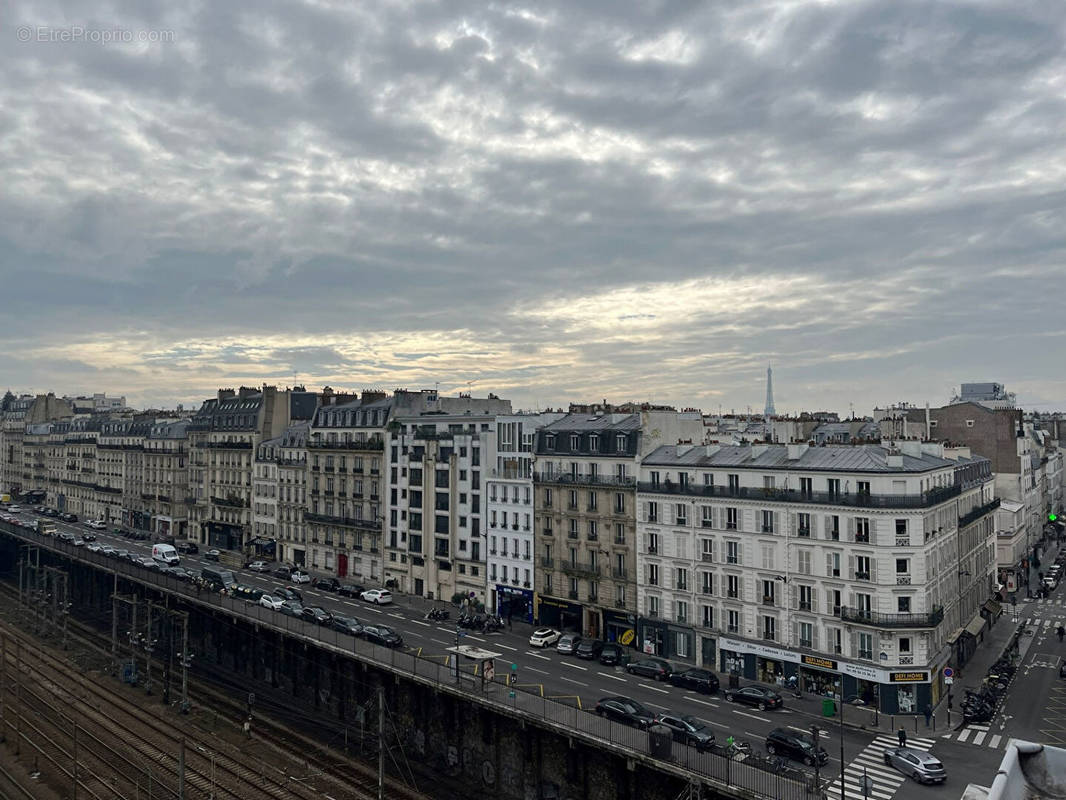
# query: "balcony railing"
{"type": "Point", "coordinates": [923, 500]}
{"type": "Point", "coordinates": [370, 444]}
{"type": "Point", "coordinates": [878, 620]}
{"type": "Point", "coordinates": [547, 563]}
{"type": "Point", "coordinates": [585, 480]}
{"type": "Point", "coordinates": [976, 513]}
{"type": "Point", "coordinates": [580, 568]}
{"type": "Point", "coordinates": [347, 522]}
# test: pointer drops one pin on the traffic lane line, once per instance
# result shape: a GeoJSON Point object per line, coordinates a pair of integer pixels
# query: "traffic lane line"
{"type": "Point", "coordinates": [534, 669]}
{"type": "Point", "coordinates": [752, 716]}
{"type": "Point", "coordinates": [574, 666]}
{"type": "Point", "coordinates": [571, 680]}
{"type": "Point", "coordinates": [612, 677]}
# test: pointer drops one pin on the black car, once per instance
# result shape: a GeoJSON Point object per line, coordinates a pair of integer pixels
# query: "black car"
{"type": "Point", "coordinates": [611, 654]}
{"type": "Point", "coordinates": [212, 555]}
{"type": "Point", "coordinates": [144, 561]}
{"type": "Point", "coordinates": [328, 584]}
{"type": "Point", "coordinates": [687, 729]}
{"type": "Point", "coordinates": [287, 593]}
{"type": "Point", "coordinates": [69, 517]}
{"type": "Point", "coordinates": [795, 745]}
{"type": "Point", "coordinates": [180, 573]}
{"type": "Point", "coordinates": [626, 710]}
{"type": "Point", "coordinates": [346, 625]}
{"type": "Point", "coordinates": [88, 537]}
{"type": "Point", "coordinates": [656, 668]}
{"type": "Point", "coordinates": [699, 680]}
{"type": "Point", "coordinates": [350, 590]}
{"type": "Point", "coordinates": [383, 635]}
{"type": "Point", "coordinates": [755, 696]}
{"type": "Point", "coordinates": [51, 512]}
{"type": "Point", "coordinates": [316, 614]}
{"type": "Point", "coordinates": [187, 547]}
{"type": "Point", "coordinates": [247, 593]}
{"type": "Point", "coordinates": [120, 554]}
{"type": "Point", "coordinates": [589, 649]}
{"type": "Point", "coordinates": [283, 572]}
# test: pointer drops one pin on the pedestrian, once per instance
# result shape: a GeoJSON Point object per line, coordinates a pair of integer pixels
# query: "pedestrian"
{"type": "Point", "coordinates": [928, 714]}
{"type": "Point", "coordinates": [1061, 632]}
{"type": "Point", "coordinates": [902, 737]}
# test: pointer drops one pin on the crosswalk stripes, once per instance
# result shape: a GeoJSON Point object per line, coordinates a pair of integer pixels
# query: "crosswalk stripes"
{"type": "Point", "coordinates": [979, 735]}
{"type": "Point", "coordinates": [871, 762]}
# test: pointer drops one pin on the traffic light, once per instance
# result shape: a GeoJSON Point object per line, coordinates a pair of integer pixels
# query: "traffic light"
{"type": "Point", "coordinates": [513, 677]}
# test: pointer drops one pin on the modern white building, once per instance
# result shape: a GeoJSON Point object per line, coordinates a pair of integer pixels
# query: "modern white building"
{"type": "Point", "coordinates": [857, 568]}
{"type": "Point", "coordinates": [1012, 549]}
{"type": "Point", "coordinates": [510, 514]}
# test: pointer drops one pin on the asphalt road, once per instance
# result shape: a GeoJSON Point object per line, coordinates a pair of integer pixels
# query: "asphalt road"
{"type": "Point", "coordinates": [581, 683]}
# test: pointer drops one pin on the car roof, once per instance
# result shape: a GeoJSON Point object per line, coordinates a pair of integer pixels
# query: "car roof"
{"type": "Point", "coordinates": [922, 755]}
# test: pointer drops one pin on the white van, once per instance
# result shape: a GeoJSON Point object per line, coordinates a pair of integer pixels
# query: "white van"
{"type": "Point", "coordinates": [165, 554]}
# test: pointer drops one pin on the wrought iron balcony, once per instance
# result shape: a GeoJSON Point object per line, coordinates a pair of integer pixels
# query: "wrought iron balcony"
{"type": "Point", "coordinates": [922, 500]}
{"type": "Point", "coordinates": [976, 513]}
{"type": "Point", "coordinates": [875, 619]}
{"type": "Point", "coordinates": [581, 569]}
{"type": "Point", "coordinates": [585, 480]}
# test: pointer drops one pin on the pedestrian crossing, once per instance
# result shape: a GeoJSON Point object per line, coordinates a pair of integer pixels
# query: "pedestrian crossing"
{"type": "Point", "coordinates": [871, 763]}
{"type": "Point", "coordinates": [979, 735]}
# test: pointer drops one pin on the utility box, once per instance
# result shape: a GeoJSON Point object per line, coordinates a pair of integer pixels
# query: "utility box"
{"type": "Point", "coordinates": [660, 741]}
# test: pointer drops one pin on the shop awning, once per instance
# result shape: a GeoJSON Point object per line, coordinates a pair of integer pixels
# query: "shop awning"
{"type": "Point", "coordinates": [955, 636]}
{"type": "Point", "coordinates": [993, 608]}
{"type": "Point", "coordinates": [977, 624]}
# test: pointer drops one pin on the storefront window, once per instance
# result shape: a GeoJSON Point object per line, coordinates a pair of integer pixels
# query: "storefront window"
{"type": "Point", "coordinates": [867, 692]}
{"type": "Point", "coordinates": [826, 684]}
{"type": "Point", "coordinates": [767, 670]}
{"type": "Point", "coordinates": [907, 703]}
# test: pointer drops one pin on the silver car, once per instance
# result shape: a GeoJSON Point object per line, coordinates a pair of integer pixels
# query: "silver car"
{"type": "Point", "coordinates": [568, 643]}
{"type": "Point", "coordinates": [918, 764]}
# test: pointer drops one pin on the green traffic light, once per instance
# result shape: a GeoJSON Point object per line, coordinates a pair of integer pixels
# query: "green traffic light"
{"type": "Point", "coordinates": [1052, 516]}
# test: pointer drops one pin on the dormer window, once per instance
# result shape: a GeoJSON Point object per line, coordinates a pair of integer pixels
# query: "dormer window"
{"type": "Point", "coordinates": [594, 443]}
{"type": "Point", "coordinates": [549, 442]}
{"type": "Point", "coordinates": [620, 443]}
{"type": "Point", "coordinates": [575, 442]}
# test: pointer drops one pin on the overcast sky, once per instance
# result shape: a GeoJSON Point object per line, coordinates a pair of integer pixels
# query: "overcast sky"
{"type": "Point", "coordinates": [553, 202]}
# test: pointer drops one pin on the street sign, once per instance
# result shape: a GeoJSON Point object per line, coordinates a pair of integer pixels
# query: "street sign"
{"type": "Point", "coordinates": [949, 672]}
{"type": "Point", "coordinates": [948, 681]}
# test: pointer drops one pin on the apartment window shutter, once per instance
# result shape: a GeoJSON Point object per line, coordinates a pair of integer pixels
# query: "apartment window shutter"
{"type": "Point", "coordinates": [851, 567]}
{"type": "Point", "coordinates": [792, 525]}
{"type": "Point", "coordinates": [851, 529]}
{"type": "Point", "coordinates": [829, 565]}
{"type": "Point", "coordinates": [873, 569]}
{"type": "Point", "coordinates": [777, 522]}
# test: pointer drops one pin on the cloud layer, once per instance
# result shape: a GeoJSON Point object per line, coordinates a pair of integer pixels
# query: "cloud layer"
{"type": "Point", "coordinates": [565, 201]}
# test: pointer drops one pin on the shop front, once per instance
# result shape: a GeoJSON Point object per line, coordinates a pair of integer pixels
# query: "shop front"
{"type": "Point", "coordinates": [555, 613]}
{"type": "Point", "coordinates": [619, 627]}
{"type": "Point", "coordinates": [223, 535]}
{"type": "Point", "coordinates": [513, 603]}
{"type": "Point", "coordinates": [757, 662]}
{"type": "Point", "coordinates": [652, 635]}
{"type": "Point", "coordinates": [820, 676]}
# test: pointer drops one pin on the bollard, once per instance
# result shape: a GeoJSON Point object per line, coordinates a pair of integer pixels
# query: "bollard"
{"type": "Point", "coordinates": [915, 723]}
{"type": "Point", "coordinates": [934, 723]}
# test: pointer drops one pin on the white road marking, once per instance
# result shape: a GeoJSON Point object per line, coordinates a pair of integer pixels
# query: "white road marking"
{"type": "Point", "coordinates": [657, 689]}
{"type": "Point", "coordinates": [538, 655]}
{"type": "Point", "coordinates": [571, 680]}
{"type": "Point", "coordinates": [418, 622]}
{"type": "Point", "coordinates": [980, 737]}
{"type": "Point", "coordinates": [964, 735]}
{"type": "Point", "coordinates": [995, 740]}
{"type": "Point", "coordinates": [612, 677]}
{"type": "Point", "coordinates": [505, 646]}
{"type": "Point", "coordinates": [438, 641]}
{"type": "Point", "coordinates": [534, 669]}
{"type": "Point", "coordinates": [751, 716]}
{"type": "Point", "coordinates": [701, 702]}
{"type": "Point", "coordinates": [574, 666]}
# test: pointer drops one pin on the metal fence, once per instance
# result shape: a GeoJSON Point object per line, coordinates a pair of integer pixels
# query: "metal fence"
{"type": "Point", "coordinates": [760, 777]}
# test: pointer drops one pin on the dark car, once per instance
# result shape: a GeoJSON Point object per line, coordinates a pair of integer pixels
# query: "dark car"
{"type": "Point", "coordinates": [655, 668]}
{"type": "Point", "coordinates": [287, 593]}
{"type": "Point", "coordinates": [51, 512]}
{"type": "Point", "coordinates": [283, 572]}
{"type": "Point", "coordinates": [626, 710]}
{"type": "Point", "coordinates": [88, 537]}
{"type": "Point", "coordinates": [247, 593]}
{"type": "Point", "coordinates": [383, 635]}
{"type": "Point", "coordinates": [796, 745]}
{"type": "Point", "coordinates": [180, 573]}
{"type": "Point", "coordinates": [292, 607]}
{"type": "Point", "coordinates": [316, 614]}
{"type": "Point", "coordinates": [187, 547]}
{"type": "Point", "coordinates": [699, 680]}
{"type": "Point", "coordinates": [328, 584]}
{"type": "Point", "coordinates": [212, 555]}
{"type": "Point", "coordinates": [589, 649]}
{"type": "Point", "coordinates": [69, 517]}
{"type": "Point", "coordinates": [350, 590]}
{"type": "Point", "coordinates": [346, 625]}
{"type": "Point", "coordinates": [611, 654]}
{"type": "Point", "coordinates": [687, 729]}
{"type": "Point", "coordinates": [755, 696]}
{"type": "Point", "coordinates": [144, 561]}
{"type": "Point", "coordinates": [121, 554]}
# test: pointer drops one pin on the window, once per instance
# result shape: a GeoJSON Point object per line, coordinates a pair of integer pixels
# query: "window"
{"type": "Point", "coordinates": [903, 566]}
{"type": "Point", "coordinates": [653, 606]}
{"type": "Point", "coordinates": [904, 644]}
{"type": "Point", "coordinates": [734, 484]}
{"type": "Point", "coordinates": [862, 568]}
{"type": "Point", "coordinates": [806, 634]}
{"type": "Point", "coordinates": [866, 645]}
{"type": "Point", "coordinates": [731, 519]}
{"type": "Point", "coordinates": [836, 636]}
{"type": "Point", "coordinates": [862, 530]}
{"type": "Point", "coordinates": [547, 498]}
{"type": "Point", "coordinates": [575, 442]}
{"type": "Point", "coordinates": [681, 514]}
{"type": "Point", "coordinates": [707, 616]}
{"type": "Point", "coordinates": [803, 562]}
{"type": "Point", "coordinates": [653, 543]}
{"type": "Point", "coordinates": [655, 481]}
{"type": "Point", "coordinates": [707, 550]}
{"type": "Point", "coordinates": [806, 487]}
{"type": "Point", "coordinates": [619, 503]}
{"type": "Point", "coordinates": [681, 579]}
{"type": "Point", "coordinates": [769, 629]}
{"type": "Point", "coordinates": [592, 501]}
{"type": "Point", "coordinates": [732, 587]}
{"type": "Point", "coordinates": [832, 565]}
{"type": "Point", "coordinates": [653, 574]}
{"type": "Point", "coordinates": [707, 583]}
{"type": "Point", "coordinates": [620, 596]}
{"type": "Point", "coordinates": [733, 624]}
{"type": "Point", "coordinates": [732, 552]}
{"type": "Point", "coordinates": [768, 592]}
{"type": "Point", "coordinates": [862, 489]}
{"type": "Point", "coordinates": [767, 551]}
{"type": "Point", "coordinates": [681, 607]}
{"type": "Point", "coordinates": [903, 605]}
{"type": "Point", "coordinates": [653, 511]}
{"type": "Point", "coordinates": [834, 528]}
{"type": "Point", "coordinates": [767, 521]}
{"type": "Point", "coordinates": [803, 525]}
{"type": "Point", "coordinates": [833, 486]}
{"type": "Point", "coordinates": [707, 516]}
{"type": "Point", "coordinates": [969, 423]}
{"type": "Point", "coordinates": [593, 534]}
{"type": "Point", "coordinates": [901, 529]}
{"type": "Point", "coordinates": [863, 601]}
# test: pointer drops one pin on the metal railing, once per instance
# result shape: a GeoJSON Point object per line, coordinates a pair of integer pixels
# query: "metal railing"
{"type": "Point", "coordinates": [877, 619]}
{"type": "Point", "coordinates": [758, 777]}
{"type": "Point", "coordinates": [923, 500]}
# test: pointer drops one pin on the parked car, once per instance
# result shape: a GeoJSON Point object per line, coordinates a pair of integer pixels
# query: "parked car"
{"type": "Point", "coordinates": [920, 765]}
{"type": "Point", "coordinates": [542, 637]}
{"type": "Point", "coordinates": [687, 729]}
{"type": "Point", "coordinates": [107, 550]}
{"type": "Point", "coordinates": [382, 635]}
{"type": "Point", "coordinates": [292, 607]}
{"type": "Point", "coordinates": [300, 577]}
{"type": "Point", "coordinates": [187, 547]}
{"type": "Point", "coordinates": [656, 668]}
{"type": "Point", "coordinates": [626, 710]}
{"type": "Point", "coordinates": [270, 601]}
{"type": "Point", "coordinates": [97, 524]}
{"type": "Point", "coordinates": [796, 745]}
{"type": "Point", "coordinates": [15, 509]}
{"type": "Point", "coordinates": [699, 680]}
{"type": "Point", "coordinates": [212, 555]}
{"type": "Point", "coordinates": [377, 596]}
{"type": "Point", "coordinates": [611, 654]}
{"type": "Point", "coordinates": [67, 517]}
{"type": "Point", "coordinates": [589, 649]}
{"type": "Point", "coordinates": [351, 590]}
{"type": "Point", "coordinates": [568, 643]}
{"type": "Point", "coordinates": [288, 593]}
{"type": "Point", "coordinates": [316, 614]}
{"type": "Point", "coordinates": [283, 572]}
{"type": "Point", "coordinates": [759, 696]}
{"type": "Point", "coordinates": [328, 584]}
{"type": "Point", "coordinates": [346, 625]}
{"type": "Point", "coordinates": [256, 566]}
{"type": "Point", "coordinates": [1049, 582]}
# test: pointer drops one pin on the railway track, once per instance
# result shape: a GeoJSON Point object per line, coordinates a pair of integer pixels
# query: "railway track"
{"type": "Point", "coordinates": [61, 692]}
